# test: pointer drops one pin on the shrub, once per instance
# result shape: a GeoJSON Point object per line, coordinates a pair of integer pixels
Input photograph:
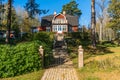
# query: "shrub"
{"type": "Point", "coordinates": [44, 37]}
{"type": "Point", "coordinates": [26, 37]}
{"type": "Point", "coordinates": [2, 40]}
{"type": "Point", "coordinates": [73, 55]}
{"type": "Point", "coordinates": [108, 44]}
{"type": "Point", "coordinates": [80, 35]}
{"type": "Point", "coordinates": [20, 59]}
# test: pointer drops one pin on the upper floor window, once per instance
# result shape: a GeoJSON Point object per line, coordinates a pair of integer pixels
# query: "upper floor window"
{"type": "Point", "coordinates": [59, 21]}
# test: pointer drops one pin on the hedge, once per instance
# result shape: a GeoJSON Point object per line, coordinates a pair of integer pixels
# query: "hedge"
{"type": "Point", "coordinates": [21, 58]}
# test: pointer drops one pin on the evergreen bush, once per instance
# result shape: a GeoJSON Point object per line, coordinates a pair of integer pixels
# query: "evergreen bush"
{"type": "Point", "coordinates": [20, 59]}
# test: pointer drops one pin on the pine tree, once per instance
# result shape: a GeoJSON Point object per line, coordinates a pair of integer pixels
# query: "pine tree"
{"type": "Point", "coordinates": [114, 12]}
{"type": "Point", "coordinates": [32, 8]}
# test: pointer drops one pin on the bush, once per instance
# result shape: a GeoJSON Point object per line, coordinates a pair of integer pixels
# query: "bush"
{"type": "Point", "coordinates": [76, 35]}
{"type": "Point", "coordinates": [20, 59]}
{"type": "Point", "coordinates": [108, 44]}
{"type": "Point", "coordinates": [26, 37]}
{"type": "Point", "coordinates": [44, 37]}
{"type": "Point", "coordinates": [80, 35]}
{"type": "Point", "coordinates": [73, 55]}
{"type": "Point", "coordinates": [2, 41]}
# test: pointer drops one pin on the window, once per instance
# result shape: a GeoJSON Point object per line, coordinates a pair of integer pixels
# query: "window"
{"type": "Point", "coordinates": [64, 27]}
{"type": "Point", "coordinates": [63, 21]}
{"type": "Point", "coordinates": [56, 28]}
{"type": "Point", "coordinates": [53, 28]}
{"type": "Point", "coordinates": [59, 21]}
{"type": "Point", "coordinates": [48, 29]}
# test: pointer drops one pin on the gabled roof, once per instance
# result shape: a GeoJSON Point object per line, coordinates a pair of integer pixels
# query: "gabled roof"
{"type": "Point", "coordinates": [60, 16]}
{"type": "Point", "coordinates": [72, 20]}
{"type": "Point", "coordinates": [47, 20]}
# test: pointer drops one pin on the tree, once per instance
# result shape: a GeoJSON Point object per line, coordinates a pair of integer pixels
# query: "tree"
{"type": "Point", "coordinates": [14, 21]}
{"type": "Point", "coordinates": [93, 22]}
{"type": "Point", "coordinates": [1, 12]}
{"type": "Point", "coordinates": [114, 12]}
{"type": "Point", "coordinates": [101, 15]}
{"type": "Point", "coordinates": [72, 8]}
{"type": "Point", "coordinates": [24, 22]}
{"type": "Point", "coordinates": [33, 9]}
{"type": "Point", "coordinates": [9, 21]}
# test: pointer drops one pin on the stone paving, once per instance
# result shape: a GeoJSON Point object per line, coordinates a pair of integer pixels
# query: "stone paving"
{"type": "Point", "coordinates": [62, 72]}
{"type": "Point", "coordinates": [63, 67]}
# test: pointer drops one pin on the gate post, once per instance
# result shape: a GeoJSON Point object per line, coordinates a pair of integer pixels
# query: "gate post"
{"type": "Point", "coordinates": [80, 57]}
{"type": "Point", "coordinates": [41, 52]}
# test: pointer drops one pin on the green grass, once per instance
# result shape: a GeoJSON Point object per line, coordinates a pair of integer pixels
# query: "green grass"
{"type": "Point", "coordinates": [91, 78]}
{"type": "Point", "coordinates": [99, 66]}
{"type": "Point", "coordinates": [30, 76]}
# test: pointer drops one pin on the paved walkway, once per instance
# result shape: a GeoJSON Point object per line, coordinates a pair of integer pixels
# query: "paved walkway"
{"type": "Point", "coordinates": [62, 72]}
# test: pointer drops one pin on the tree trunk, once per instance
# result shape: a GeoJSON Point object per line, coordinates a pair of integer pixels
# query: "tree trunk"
{"type": "Point", "coordinates": [93, 23]}
{"type": "Point", "coordinates": [1, 14]}
{"type": "Point", "coordinates": [101, 30]}
{"type": "Point", "coordinates": [9, 22]}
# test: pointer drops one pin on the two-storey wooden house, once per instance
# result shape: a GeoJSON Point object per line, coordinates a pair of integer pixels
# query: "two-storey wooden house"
{"type": "Point", "coordinates": [60, 22]}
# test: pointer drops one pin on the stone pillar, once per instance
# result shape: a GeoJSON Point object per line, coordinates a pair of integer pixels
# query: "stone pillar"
{"type": "Point", "coordinates": [41, 52]}
{"type": "Point", "coordinates": [80, 57]}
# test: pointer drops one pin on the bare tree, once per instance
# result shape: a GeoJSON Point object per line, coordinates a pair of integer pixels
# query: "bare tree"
{"type": "Point", "coordinates": [101, 15]}
{"type": "Point", "coordinates": [93, 22]}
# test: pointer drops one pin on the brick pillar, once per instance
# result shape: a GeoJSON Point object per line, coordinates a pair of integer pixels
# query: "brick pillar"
{"type": "Point", "coordinates": [80, 57]}
{"type": "Point", "coordinates": [41, 52]}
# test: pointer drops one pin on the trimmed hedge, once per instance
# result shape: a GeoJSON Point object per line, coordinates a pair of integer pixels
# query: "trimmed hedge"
{"type": "Point", "coordinates": [21, 59]}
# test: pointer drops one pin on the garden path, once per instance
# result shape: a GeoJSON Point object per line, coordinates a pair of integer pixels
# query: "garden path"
{"type": "Point", "coordinates": [63, 71]}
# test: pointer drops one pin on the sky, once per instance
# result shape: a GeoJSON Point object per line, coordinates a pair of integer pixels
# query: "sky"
{"type": "Point", "coordinates": [56, 5]}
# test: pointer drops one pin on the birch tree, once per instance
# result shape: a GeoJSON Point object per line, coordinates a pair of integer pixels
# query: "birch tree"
{"type": "Point", "coordinates": [101, 15]}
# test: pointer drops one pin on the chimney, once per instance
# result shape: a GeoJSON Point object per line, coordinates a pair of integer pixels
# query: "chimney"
{"type": "Point", "coordinates": [55, 13]}
{"type": "Point", "coordinates": [64, 13]}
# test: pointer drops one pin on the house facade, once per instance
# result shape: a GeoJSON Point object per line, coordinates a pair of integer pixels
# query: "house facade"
{"type": "Point", "coordinates": [61, 22]}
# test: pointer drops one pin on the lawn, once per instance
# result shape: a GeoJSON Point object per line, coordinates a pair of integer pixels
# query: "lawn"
{"type": "Point", "coordinates": [30, 76]}
{"type": "Point", "coordinates": [100, 67]}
